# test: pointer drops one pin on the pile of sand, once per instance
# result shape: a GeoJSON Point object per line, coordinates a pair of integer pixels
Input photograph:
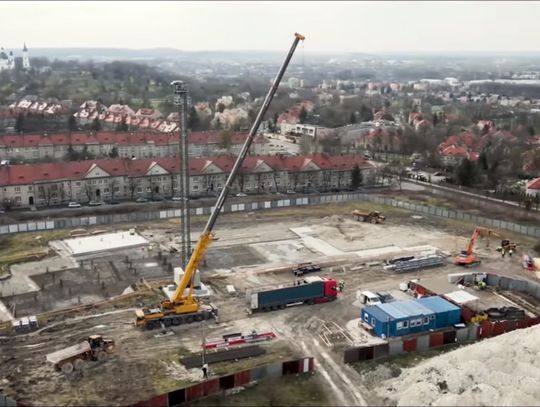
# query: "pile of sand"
{"type": "Point", "coordinates": [497, 371]}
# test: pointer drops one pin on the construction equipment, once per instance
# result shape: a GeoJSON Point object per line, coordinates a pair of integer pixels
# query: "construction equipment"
{"type": "Point", "coordinates": [466, 257]}
{"type": "Point", "coordinates": [371, 217]}
{"type": "Point", "coordinates": [183, 307]}
{"type": "Point", "coordinates": [507, 247]}
{"type": "Point", "coordinates": [311, 290]}
{"type": "Point", "coordinates": [74, 357]}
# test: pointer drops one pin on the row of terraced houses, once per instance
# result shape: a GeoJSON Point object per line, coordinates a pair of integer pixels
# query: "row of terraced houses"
{"type": "Point", "coordinates": [47, 184]}
{"type": "Point", "coordinates": [30, 147]}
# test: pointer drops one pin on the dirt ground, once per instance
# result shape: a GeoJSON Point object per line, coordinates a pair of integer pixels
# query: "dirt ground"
{"type": "Point", "coordinates": [144, 365]}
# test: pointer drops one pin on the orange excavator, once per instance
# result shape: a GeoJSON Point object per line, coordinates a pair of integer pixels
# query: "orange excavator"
{"type": "Point", "coordinates": [466, 257]}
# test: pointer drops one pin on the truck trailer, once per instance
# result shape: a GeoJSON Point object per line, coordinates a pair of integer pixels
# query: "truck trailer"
{"type": "Point", "coordinates": [310, 290]}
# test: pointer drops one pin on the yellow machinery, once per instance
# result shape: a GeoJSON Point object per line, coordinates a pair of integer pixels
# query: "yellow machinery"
{"type": "Point", "coordinates": [183, 307]}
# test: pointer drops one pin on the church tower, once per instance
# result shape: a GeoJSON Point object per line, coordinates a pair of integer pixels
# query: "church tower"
{"type": "Point", "coordinates": [25, 58]}
{"type": "Point", "coordinates": [11, 60]}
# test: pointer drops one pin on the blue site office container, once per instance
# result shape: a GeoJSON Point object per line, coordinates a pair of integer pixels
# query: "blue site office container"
{"type": "Point", "coordinates": [446, 313]}
{"type": "Point", "coordinates": [377, 319]}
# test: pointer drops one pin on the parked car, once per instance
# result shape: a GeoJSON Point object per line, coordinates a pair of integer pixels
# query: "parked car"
{"type": "Point", "coordinates": [176, 198]}
{"type": "Point", "coordinates": [74, 205]}
{"type": "Point", "coordinates": [290, 191]}
{"type": "Point", "coordinates": [305, 268]}
{"type": "Point", "coordinates": [141, 200]}
{"type": "Point", "coordinates": [157, 199]}
{"type": "Point", "coordinates": [94, 203]}
{"type": "Point", "coordinates": [241, 194]}
{"type": "Point", "coordinates": [438, 174]}
{"type": "Point", "coordinates": [112, 202]}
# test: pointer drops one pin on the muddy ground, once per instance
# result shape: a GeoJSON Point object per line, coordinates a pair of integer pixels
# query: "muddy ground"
{"type": "Point", "coordinates": [144, 365]}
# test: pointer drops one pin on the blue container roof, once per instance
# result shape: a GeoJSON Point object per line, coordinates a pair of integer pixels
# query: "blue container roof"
{"type": "Point", "coordinates": [376, 312]}
{"type": "Point", "coordinates": [404, 309]}
{"type": "Point", "coordinates": [437, 304]}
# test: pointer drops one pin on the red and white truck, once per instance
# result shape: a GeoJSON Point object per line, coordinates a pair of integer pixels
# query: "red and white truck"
{"type": "Point", "coordinates": [309, 290]}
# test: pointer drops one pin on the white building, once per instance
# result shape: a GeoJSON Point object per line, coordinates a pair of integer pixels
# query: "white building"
{"type": "Point", "coordinates": [7, 60]}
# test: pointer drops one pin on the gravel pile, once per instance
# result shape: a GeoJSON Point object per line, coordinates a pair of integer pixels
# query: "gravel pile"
{"type": "Point", "coordinates": [501, 371]}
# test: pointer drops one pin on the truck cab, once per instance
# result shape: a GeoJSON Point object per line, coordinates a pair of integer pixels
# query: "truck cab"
{"type": "Point", "coordinates": [305, 268]}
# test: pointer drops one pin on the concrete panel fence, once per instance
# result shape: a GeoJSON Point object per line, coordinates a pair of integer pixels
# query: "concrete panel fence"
{"type": "Point", "coordinates": [136, 217]}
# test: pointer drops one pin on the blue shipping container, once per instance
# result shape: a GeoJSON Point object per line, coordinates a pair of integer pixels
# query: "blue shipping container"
{"type": "Point", "coordinates": [446, 313]}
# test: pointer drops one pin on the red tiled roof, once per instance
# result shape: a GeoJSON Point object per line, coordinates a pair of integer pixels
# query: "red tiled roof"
{"type": "Point", "coordinates": [28, 174]}
{"type": "Point", "coordinates": [118, 138]}
{"type": "Point", "coordinates": [534, 184]}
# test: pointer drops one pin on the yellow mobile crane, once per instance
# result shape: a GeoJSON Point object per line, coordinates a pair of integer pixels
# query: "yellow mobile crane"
{"type": "Point", "coordinates": [182, 308]}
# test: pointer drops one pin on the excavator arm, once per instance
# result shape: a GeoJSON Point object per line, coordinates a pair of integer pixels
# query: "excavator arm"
{"type": "Point", "coordinates": [178, 297]}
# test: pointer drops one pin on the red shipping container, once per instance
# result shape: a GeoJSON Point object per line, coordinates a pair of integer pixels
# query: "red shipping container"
{"type": "Point", "coordinates": [194, 392]}
{"type": "Point", "coordinates": [522, 323]}
{"type": "Point", "coordinates": [498, 328]}
{"type": "Point", "coordinates": [311, 364]}
{"type": "Point", "coordinates": [484, 330]}
{"type": "Point", "coordinates": [409, 345]}
{"type": "Point", "coordinates": [534, 321]}
{"type": "Point", "coordinates": [211, 386]}
{"type": "Point", "coordinates": [435, 340]}
{"type": "Point", "coordinates": [242, 378]}
{"type": "Point", "coordinates": [466, 313]}
{"type": "Point", "coordinates": [158, 401]}
{"type": "Point", "coordinates": [510, 325]}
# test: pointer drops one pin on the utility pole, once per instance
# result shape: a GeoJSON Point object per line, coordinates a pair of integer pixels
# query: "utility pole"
{"type": "Point", "coordinates": [204, 365]}
{"type": "Point", "coordinates": [181, 100]}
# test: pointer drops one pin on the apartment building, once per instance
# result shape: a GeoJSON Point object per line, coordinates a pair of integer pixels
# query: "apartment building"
{"type": "Point", "coordinates": [139, 145]}
{"type": "Point", "coordinates": [48, 184]}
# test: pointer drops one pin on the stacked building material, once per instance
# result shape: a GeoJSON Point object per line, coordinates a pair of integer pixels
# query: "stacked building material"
{"type": "Point", "coordinates": [415, 264]}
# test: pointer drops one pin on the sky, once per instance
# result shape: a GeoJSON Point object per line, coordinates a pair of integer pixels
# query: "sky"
{"type": "Point", "coordinates": [365, 27]}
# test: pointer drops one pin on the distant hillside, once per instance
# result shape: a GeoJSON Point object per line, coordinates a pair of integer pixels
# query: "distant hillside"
{"type": "Point", "coordinates": [108, 54]}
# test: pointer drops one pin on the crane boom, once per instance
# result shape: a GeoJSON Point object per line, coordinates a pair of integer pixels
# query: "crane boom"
{"type": "Point", "coordinates": [205, 238]}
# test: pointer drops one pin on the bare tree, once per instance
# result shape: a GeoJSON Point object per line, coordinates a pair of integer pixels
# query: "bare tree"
{"type": "Point", "coordinates": [113, 183]}
{"type": "Point", "coordinates": [133, 184]}
{"type": "Point", "coordinates": [45, 193]}
{"type": "Point", "coordinates": [88, 190]}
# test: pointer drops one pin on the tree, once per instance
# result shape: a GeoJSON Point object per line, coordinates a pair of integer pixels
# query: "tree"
{"type": "Point", "coordinates": [466, 173]}
{"type": "Point", "coordinates": [352, 120]}
{"type": "Point", "coordinates": [7, 204]}
{"type": "Point", "coordinates": [133, 184]}
{"type": "Point", "coordinates": [19, 123]}
{"type": "Point", "coordinates": [113, 183]}
{"type": "Point", "coordinates": [193, 119]}
{"type": "Point", "coordinates": [96, 125]}
{"type": "Point", "coordinates": [114, 152]}
{"type": "Point", "coordinates": [122, 126]}
{"type": "Point", "coordinates": [88, 190]}
{"type": "Point", "coordinates": [356, 177]}
{"type": "Point", "coordinates": [226, 139]}
{"type": "Point", "coordinates": [72, 123]}
{"type": "Point", "coordinates": [302, 116]}
{"type": "Point", "coordinates": [220, 107]}
{"type": "Point", "coordinates": [305, 145]}
{"type": "Point", "coordinates": [365, 114]}
{"type": "Point", "coordinates": [45, 193]}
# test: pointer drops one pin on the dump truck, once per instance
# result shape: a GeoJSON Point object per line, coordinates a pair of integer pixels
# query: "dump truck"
{"type": "Point", "coordinates": [371, 217]}
{"type": "Point", "coordinates": [95, 348]}
{"type": "Point", "coordinates": [310, 290]}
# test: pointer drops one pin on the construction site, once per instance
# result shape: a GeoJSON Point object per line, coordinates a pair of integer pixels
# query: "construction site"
{"type": "Point", "coordinates": [357, 305]}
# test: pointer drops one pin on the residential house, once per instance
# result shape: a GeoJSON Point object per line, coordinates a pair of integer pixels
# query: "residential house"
{"type": "Point", "coordinates": [30, 147]}
{"type": "Point", "coordinates": [58, 183]}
